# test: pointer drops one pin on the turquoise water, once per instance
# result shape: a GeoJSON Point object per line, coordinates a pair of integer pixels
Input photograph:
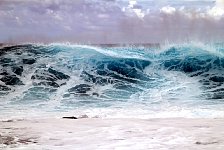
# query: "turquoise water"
{"type": "Point", "coordinates": [185, 80]}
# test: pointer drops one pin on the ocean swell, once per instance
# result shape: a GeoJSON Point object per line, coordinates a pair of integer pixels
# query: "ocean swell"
{"type": "Point", "coordinates": [84, 76]}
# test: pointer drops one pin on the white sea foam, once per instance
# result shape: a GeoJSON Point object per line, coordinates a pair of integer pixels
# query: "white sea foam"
{"type": "Point", "coordinates": [125, 134]}
{"type": "Point", "coordinates": [166, 92]}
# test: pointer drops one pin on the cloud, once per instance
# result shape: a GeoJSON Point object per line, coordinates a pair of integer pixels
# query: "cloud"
{"type": "Point", "coordinates": [106, 21]}
{"type": "Point", "coordinates": [168, 10]}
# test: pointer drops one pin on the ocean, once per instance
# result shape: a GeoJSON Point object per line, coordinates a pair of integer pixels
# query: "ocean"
{"type": "Point", "coordinates": [182, 80]}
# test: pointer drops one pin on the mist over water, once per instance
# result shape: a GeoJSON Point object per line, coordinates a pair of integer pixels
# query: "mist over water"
{"type": "Point", "coordinates": [117, 21]}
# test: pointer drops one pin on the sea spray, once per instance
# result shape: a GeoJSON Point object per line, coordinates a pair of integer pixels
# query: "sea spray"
{"type": "Point", "coordinates": [64, 77]}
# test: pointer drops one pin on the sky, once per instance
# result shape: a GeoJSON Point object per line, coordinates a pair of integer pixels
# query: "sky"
{"type": "Point", "coordinates": [111, 21]}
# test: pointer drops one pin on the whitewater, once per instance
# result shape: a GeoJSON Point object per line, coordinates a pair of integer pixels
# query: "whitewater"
{"type": "Point", "coordinates": [141, 82]}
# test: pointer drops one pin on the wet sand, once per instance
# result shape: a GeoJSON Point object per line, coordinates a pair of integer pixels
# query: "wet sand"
{"type": "Point", "coordinates": [98, 133]}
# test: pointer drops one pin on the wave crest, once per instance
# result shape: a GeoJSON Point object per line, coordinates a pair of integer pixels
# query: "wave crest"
{"type": "Point", "coordinates": [74, 73]}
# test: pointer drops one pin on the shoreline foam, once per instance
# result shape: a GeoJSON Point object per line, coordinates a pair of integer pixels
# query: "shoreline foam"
{"type": "Point", "coordinates": [98, 133]}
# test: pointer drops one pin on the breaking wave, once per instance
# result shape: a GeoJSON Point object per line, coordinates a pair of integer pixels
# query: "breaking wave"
{"type": "Point", "coordinates": [60, 77]}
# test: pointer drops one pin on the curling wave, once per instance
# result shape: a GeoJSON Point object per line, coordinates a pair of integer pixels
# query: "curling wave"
{"type": "Point", "coordinates": [85, 76]}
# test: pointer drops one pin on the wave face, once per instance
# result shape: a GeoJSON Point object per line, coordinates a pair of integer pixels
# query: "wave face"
{"type": "Point", "coordinates": [186, 78]}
